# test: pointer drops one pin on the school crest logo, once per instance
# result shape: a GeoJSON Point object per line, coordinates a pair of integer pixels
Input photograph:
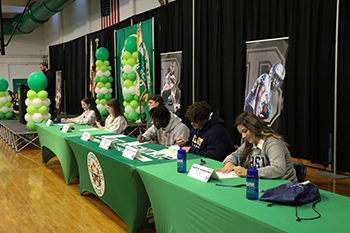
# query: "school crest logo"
{"type": "Point", "coordinates": [96, 174]}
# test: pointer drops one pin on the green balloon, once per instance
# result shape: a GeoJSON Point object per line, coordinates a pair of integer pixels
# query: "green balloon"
{"type": "Point", "coordinates": [103, 68]}
{"type": "Point", "coordinates": [100, 96]}
{"type": "Point", "coordinates": [143, 103]}
{"type": "Point", "coordinates": [2, 94]}
{"type": "Point", "coordinates": [97, 79]}
{"type": "Point", "coordinates": [37, 81]}
{"type": "Point", "coordinates": [103, 101]}
{"type": "Point", "coordinates": [32, 110]}
{"type": "Point", "coordinates": [132, 76]}
{"type": "Point", "coordinates": [31, 126]}
{"type": "Point", "coordinates": [134, 104]}
{"type": "Point", "coordinates": [2, 115]}
{"type": "Point", "coordinates": [43, 110]}
{"type": "Point", "coordinates": [124, 62]}
{"type": "Point", "coordinates": [110, 79]}
{"type": "Point", "coordinates": [31, 94]}
{"type": "Point", "coordinates": [125, 103]}
{"type": "Point", "coordinates": [143, 116]}
{"type": "Point", "coordinates": [108, 85]}
{"type": "Point", "coordinates": [133, 116]}
{"type": "Point", "coordinates": [130, 44]}
{"type": "Point", "coordinates": [132, 62]}
{"type": "Point", "coordinates": [99, 63]}
{"type": "Point", "coordinates": [102, 54]}
{"type": "Point", "coordinates": [108, 96]}
{"type": "Point", "coordinates": [126, 55]}
{"type": "Point", "coordinates": [104, 112]}
{"type": "Point", "coordinates": [100, 85]}
{"type": "Point", "coordinates": [127, 83]}
{"type": "Point", "coordinates": [137, 98]}
{"type": "Point", "coordinates": [126, 116]}
{"type": "Point", "coordinates": [104, 79]}
{"type": "Point", "coordinates": [98, 68]}
{"type": "Point", "coordinates": [125, 76]}
{"type": "Point", "coordinates": [42, 95]}
{"type": "Point", "coordinates": [8, 115]}
{"type": "Point", "coordinates": [134, 55]}
{"type": "Point", "coordinates": [1, 104]}
{"type": "Point", "coordinates": [97, 101]}
{"type": "Point", "coordinates": [3, 84]}
{"type": "Point", "coordinates": [8, 104]}
{"type": "Point", "coordinates": [128, 97]}
{"type": "Point", "coordinates": [6, 93]}
{"type": "Point", "coordinates": [106, 63]}
{"type": "Point", "coordinates": [109, 68]}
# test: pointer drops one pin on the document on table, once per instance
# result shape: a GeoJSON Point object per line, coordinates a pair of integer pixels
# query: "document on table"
{"type": "Point", "coordinates": [114, 136]}
{"type": "Point", "coordinates": [89, 129]}
{"type": "Point", "coordinates": [231, 174]}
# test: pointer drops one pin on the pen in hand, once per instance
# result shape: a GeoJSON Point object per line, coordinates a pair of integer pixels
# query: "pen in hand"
{"type": "Point", "coordinates": [239, 161]}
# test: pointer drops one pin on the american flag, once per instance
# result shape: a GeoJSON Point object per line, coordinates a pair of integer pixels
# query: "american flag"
{"type": "Point", "coordinates": [109, 13]}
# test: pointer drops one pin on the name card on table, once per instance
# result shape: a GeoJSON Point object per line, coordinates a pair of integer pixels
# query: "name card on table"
{"type": "Point", "coordinates": [87, 136]}
{"type": "Point", "coordinates": [66, 128]}
{"type": "Point", "coordinates": [49, 122]}
{"type": "Point", "coordinates": [106, 144]}
{"type": "Point", "coordinates": [131, 153]}
{"type": "Point", "coordinates": [202, 173]}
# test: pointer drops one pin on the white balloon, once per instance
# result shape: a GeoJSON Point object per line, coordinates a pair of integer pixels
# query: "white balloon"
{"type": "Point", "coordinates": [132, 90]}
{"type": "Point", "coordinates": [28, 102]}
{"type": "Point", "coordinates": [28, 117]}
{"type": "Point", "coordinates": [127, 69]}
{"type": "Point", "coordinates": [47, 116]}
{"type": "Point", "coordinates": [104, 90]}
{"type": "Point", "coordinates": [37, 102]}
{"type": "Point", "coordinates": [4, 109]}
{"type": "Point", "coordinates": [37, 117]}
{"type": "Point", "coordinates": [99, 106]}
{"type": "Point", "coordinates": [125, 90]}
{"type": "Point", "coordinates": [142, 109]}
{"type": "Point", "coordinates": [3, 99]}
{"type": "Point", "coordinates": [97, 90]}
{"type": "Point", "coordinates": [110, 90]}
{"type": "Point", "coordinates": [107, 73]}
{"type": "Point", "coordinates": [10, 109]}
{"type": "Point", "coordinates": [46, 102]}
{"type": "Point", "coordinates": [134, 68]}
{"type": "Point", "coordinates": [99, 73]}
{"type": "Point", "coordinates": [128, 109]}
{"type": "Point", "coordinates": [8, 98]}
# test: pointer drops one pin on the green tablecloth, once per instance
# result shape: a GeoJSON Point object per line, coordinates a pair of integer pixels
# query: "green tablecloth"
{"type": "Point", "coordinates": [123, 189]}
{"type": "Point", "coordinates": [53, 143]}
{"type": "Point", "coordinates": [183, 204]}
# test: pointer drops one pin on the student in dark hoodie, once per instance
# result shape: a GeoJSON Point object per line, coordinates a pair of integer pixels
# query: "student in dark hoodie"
{"type": "Point", "coordinates": [208, 137]}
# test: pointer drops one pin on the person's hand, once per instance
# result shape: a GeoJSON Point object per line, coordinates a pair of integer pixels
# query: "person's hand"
{"type": "Point", "coordinates": [186, 148]}
{"type": "Point", "coordinates": [98, 124]}
{"type": "Point", "coordinates": [70, 120]}
{"type": "Point", "coordinates": [240, 171]}
{"type": "Point", "coordinates": [153, 141]}
{"type": "Point", "coordinates": [140, 138]}
{"type": "Point", "coordinates": [180, 141]}
{"type": "Point", "coordinates": [227, 168]}
{"type": "Point", "coordinates": [63, 120]}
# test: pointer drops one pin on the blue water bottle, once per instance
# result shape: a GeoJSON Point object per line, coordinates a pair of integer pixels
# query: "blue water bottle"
{"type": "Point", "coordinates": [252, 184]}
{"type": "Point", "coordinates": [181, 161]}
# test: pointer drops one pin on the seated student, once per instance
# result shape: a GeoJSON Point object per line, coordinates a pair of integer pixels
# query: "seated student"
{"type": "Point", "coordinates": [116, 121]}
{"type": "Point", "coordinates": [90, 114]}
{"type": "Point", "coordinates": [154, 101]}
{"type": "Point", "coordinates": [166, 128]}
{"type": "Point", "coordinates": [263, 148]}
{"type": "Point", "coordinates": [208, 136]}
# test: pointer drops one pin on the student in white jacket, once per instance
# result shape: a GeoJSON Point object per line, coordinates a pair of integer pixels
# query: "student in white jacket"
{"type": "Point", "coordinates": [116, 121]}
{"type": "Point", "coordinates": [90, 114]}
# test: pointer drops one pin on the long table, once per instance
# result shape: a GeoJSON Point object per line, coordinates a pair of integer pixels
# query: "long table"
{"type": "Point", "coordinates": [183, 204]}
{"type": "Point", "coordinates": [53, 143]}
{"type": "Point", "coordinates": [114, 179]}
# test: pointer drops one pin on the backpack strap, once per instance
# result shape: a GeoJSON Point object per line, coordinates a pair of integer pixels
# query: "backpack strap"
{"type": "Point", "coordinates": [314, 209]}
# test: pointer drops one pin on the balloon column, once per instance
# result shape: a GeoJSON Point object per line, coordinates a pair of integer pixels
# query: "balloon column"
{"type": "Point", "coordinates": [129, 84]}
{"type": "Point", "coordinates": [37, 102]}
{"type": "Point", "coordinates": [5, 100]}
{"type": "Point", "coordinates": [103, 80]}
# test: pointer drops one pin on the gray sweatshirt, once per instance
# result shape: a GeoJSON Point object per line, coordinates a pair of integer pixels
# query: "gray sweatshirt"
{"type": "Point", "coordinates": [271, 157]}
{"type": "Point", "coordinates": [167, 136]}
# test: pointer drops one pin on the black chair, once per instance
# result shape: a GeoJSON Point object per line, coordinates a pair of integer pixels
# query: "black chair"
{"type": "Point", "coordinates": [300, 170]}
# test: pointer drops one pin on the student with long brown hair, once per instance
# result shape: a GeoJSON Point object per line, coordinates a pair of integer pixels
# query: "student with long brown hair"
{"type": "Point", "coordinates": [116, 121]}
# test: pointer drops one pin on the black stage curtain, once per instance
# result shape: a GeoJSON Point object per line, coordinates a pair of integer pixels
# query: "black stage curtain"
{"type": "Point", "coordinates": [106, 39]}
{"type": "Point", "coordinates": [223, 27]}
{"type": "Point", "coordinates": [173, 32]}
{"type": "Point", "coordinates": [74, 74]}
{"type": "Point", "coordinates": [343, 99]}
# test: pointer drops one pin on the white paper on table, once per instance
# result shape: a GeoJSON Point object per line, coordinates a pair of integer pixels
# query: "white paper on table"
{"type": "Point", "coordinates": [231, 174]}
{"type": "Point", "coordinates": [89, 129]}
{"type": "Point", "coordinates": [135, 143]}
{"type": "Point", "coordinates": [114, 136]}
{"type": "Point", "coordinates": [144, 159]}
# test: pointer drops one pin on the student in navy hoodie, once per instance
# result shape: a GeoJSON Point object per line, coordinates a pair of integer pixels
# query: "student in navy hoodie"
{"type": "Point", "coordinates": [208, 137]}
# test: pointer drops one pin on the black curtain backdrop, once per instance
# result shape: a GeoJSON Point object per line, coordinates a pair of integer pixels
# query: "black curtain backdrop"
{"type": "Point", "coordinates": [74, 74]}
{"type": "Point", "coordinates": [221, 29]}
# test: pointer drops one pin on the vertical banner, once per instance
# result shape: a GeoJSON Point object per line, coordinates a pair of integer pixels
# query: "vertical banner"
{"type": "Point", "coordinates": [171, 80]}
{"type": "Point", "coordinates": [135, 69]}
{"type": "Point", "coordinates": [266, 60]}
